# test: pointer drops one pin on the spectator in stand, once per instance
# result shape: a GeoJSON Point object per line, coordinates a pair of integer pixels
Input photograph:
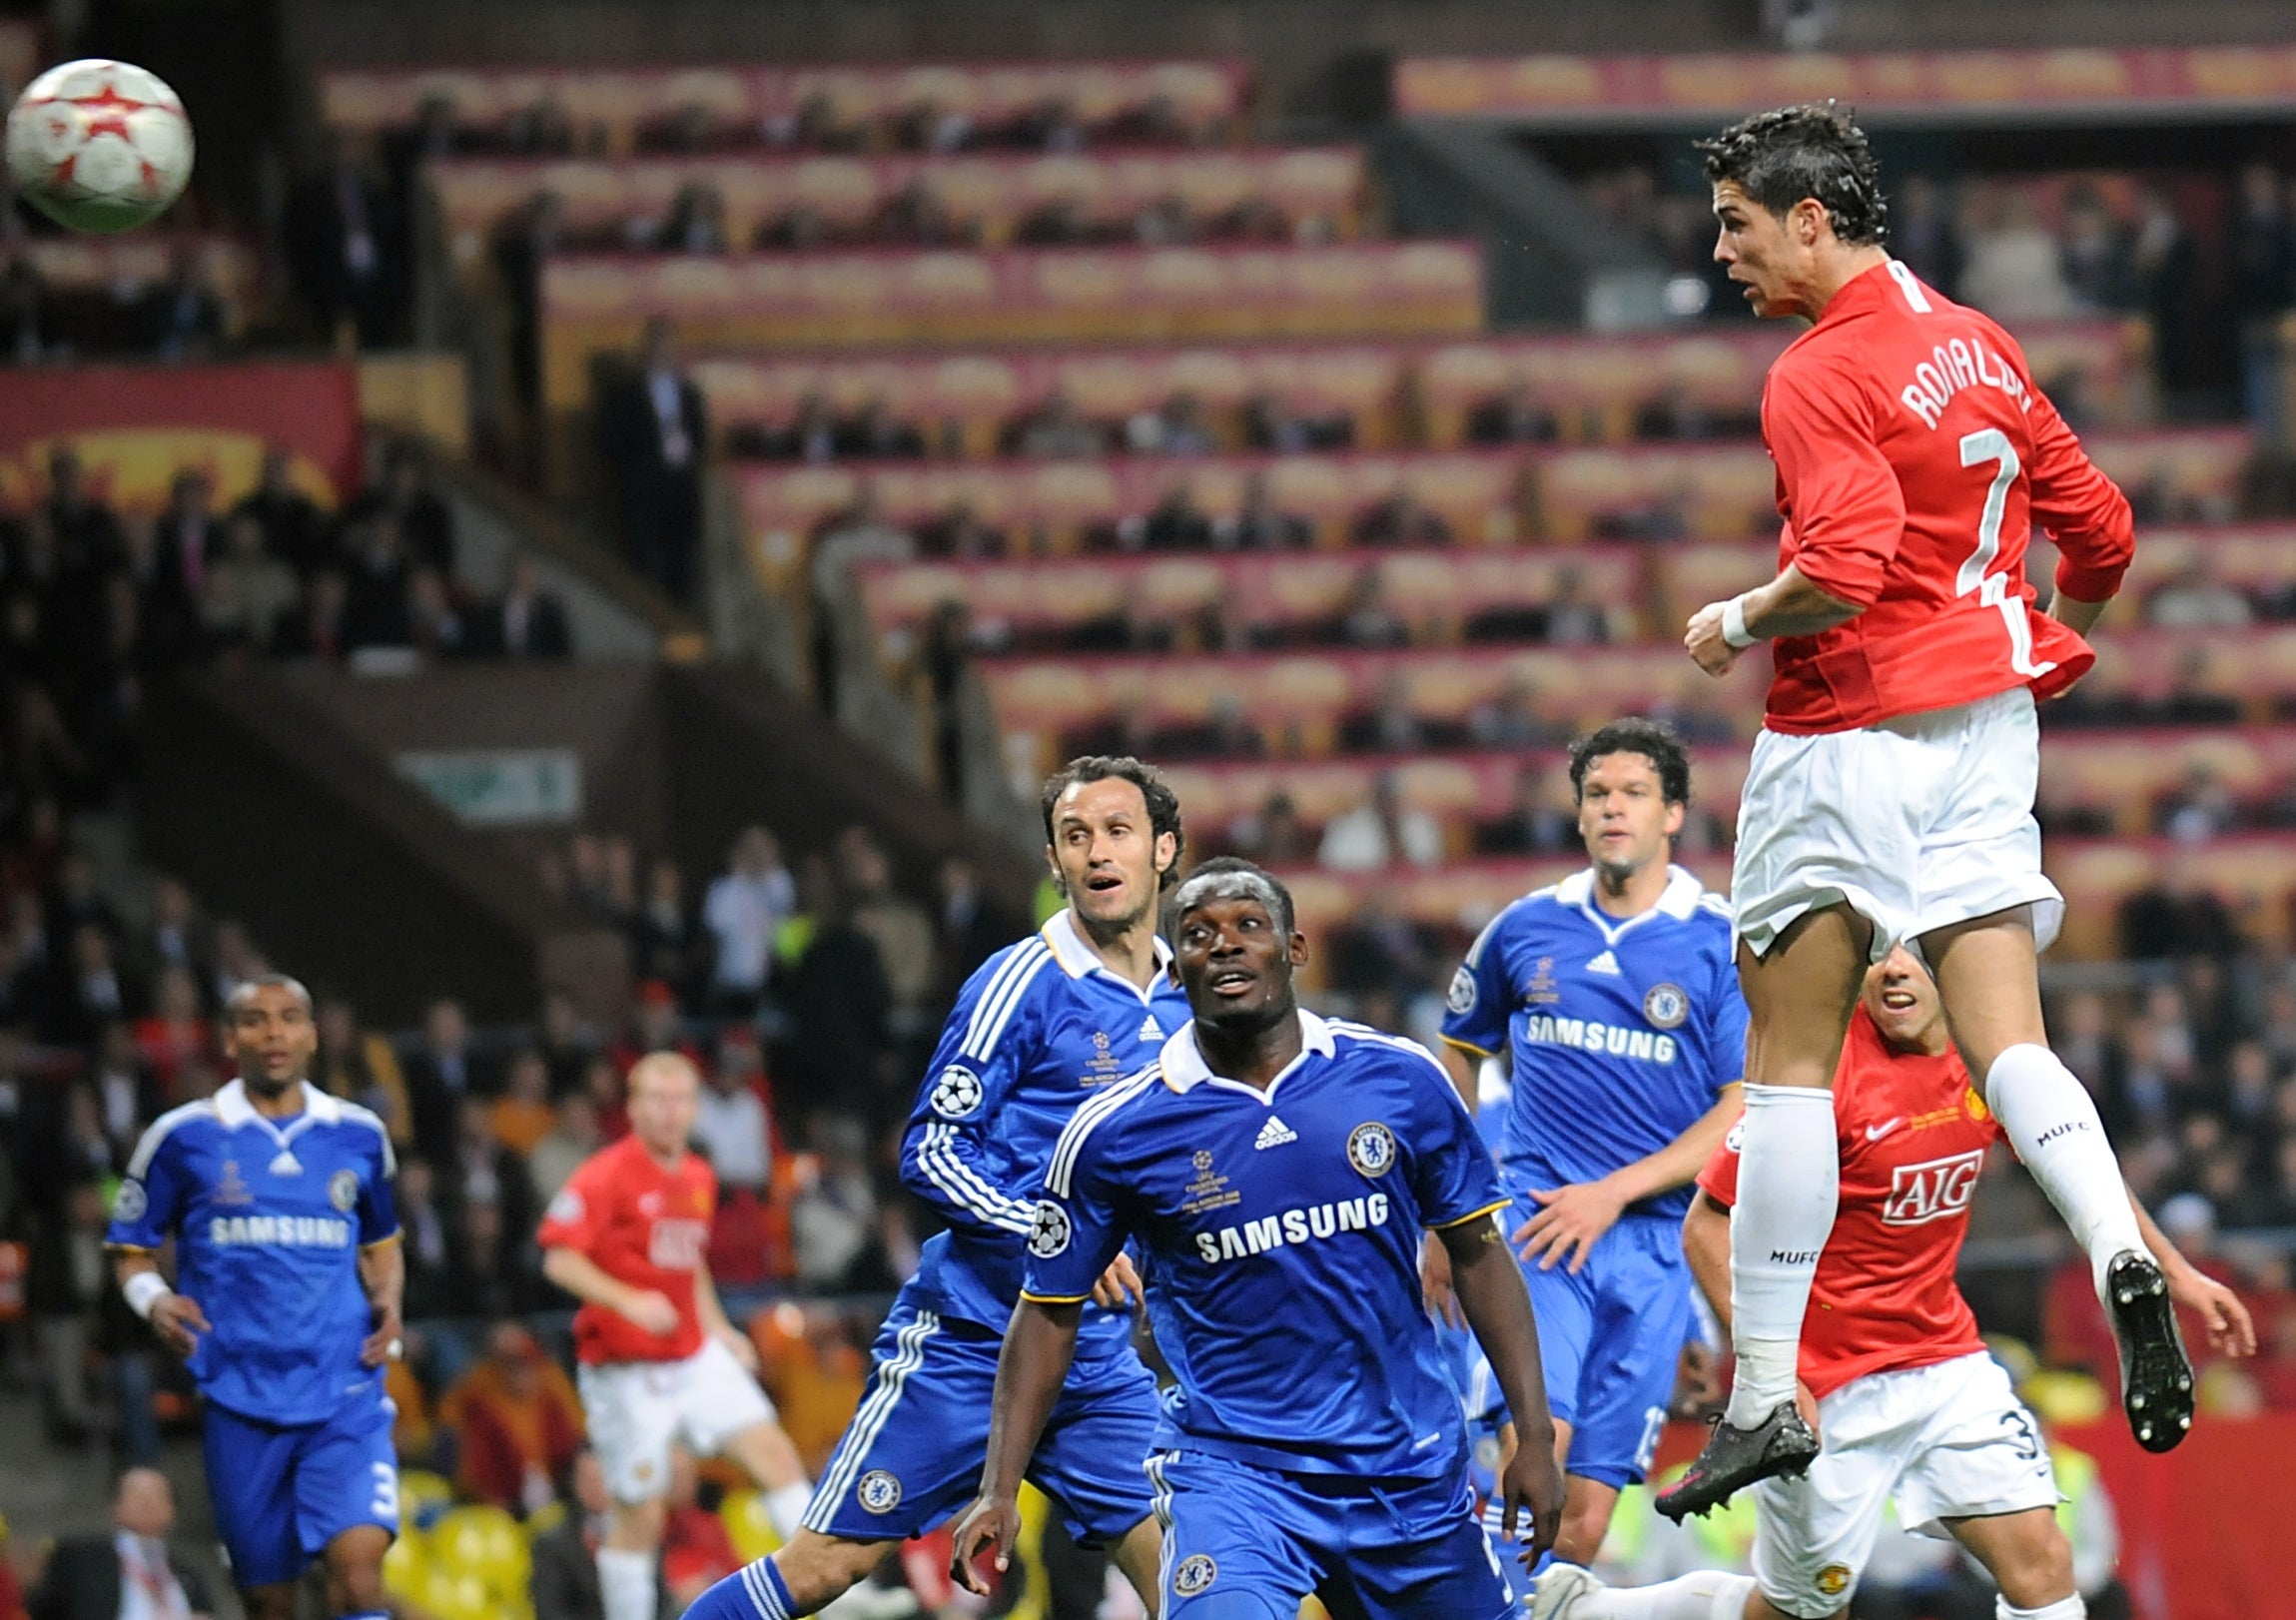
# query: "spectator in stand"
{"type": "Point", "coordinates": [1259, 525]}
{"type": "Point", "coordinates": [566, 1041]}
{"type": "Point", "coordinates": [743, 910]}
{"type": "Point", "coordinates": [900, 928]}
{"type": "Point", "coordinates": [81, 544]}
{"type": "Point", "coordinates": [375, 607]}
{"type": "Point", "coordinates": [127, 1096]}
{"type": "Point", "coordinates": [573, 1135]}
{"type": "Point", "coordinates": [1572, 620]}
{"type": "Point", "coordinates": [175, 933]}
{"type": "Point", "coordinates": [441, 1075]}
{"type": "Point", "coordinates": [2263, 254]}
{"type": "Point", "coordinates": [425, 524]}
{"type": "Point", "coordinates": [730, 1124]}
{"type": "Point", "coordinates": [1401, 519]}
{"type": "Point", "coordinates": [1391, 725]}
{"type": "Point", "coordinates": [564, 1583]}
{"type": "Point", "coordinates": [876, 435]}
{"type": "Point", "coordinates": [437, 627]}
{"type": "Point", "coordinates": [1531, 824]}
{"type": "Point", "coordinates": [318, 629]}
{"type": "Point", "coordinates": [836, 1051]}
{"type": "Point", "coordinates": [95, 990]}
{"type": "Point", "coordinates": [295, 530]}
{"type": "Point", "coordinates": [666, 940]}
{"type": "Point", "coordinates": [360, 1067]}
{"type": "Point", "coordinates": [1058, 432]}
{"type": "Point", "coordinates": [131, 1573]}
{"type": "Point", "coordinates": [1922, 234]}
{"type": "Point", "coordinates": [497, 1279]}
{"type": "Point", "coordinates": [481, 1171]}
{"type": "Point", "coordinates": [1378, 947]}
{"type": "Point", "coordinates": [833, 1221]}
{"type": "Point", "coordinates": [249, 591]}
{"type": "Point", "coordinates": [526, 622]}
{"type": "Point", "coordinates": [521, 1116]}
{"type": "Point", "coordinates": [518, 1420]}
{"type": "Point", "coordinates": [602, 1085]}
{"type": "Point", "coordinates": [2094, 254]}
{"type": "Point", "coordinates": [188, 540]}
{"type": "Point", "coordinates": [1513, 417]}
{"type": "Point", "coordinates": [1276, 834]}
{"type": "Point", "coordinates": [344, 247]}
{"type": "Point", "coordinates": [1380, 832]}
{"type": "Point", "coordinates": [2201, 807]}
{"type": "Point", "coordinates": [1510, 718]}
{"type": "Point", "coordinates": [2195, 599]}
{"type": "Point", "coordinates": [656, 437]}
{"type": "Point", "coordinates": [2013, 272]}
{"type": "Point", "coordinates": [69, 1284]}
{"type": "Point", "coordinates": [696, 222]}
{"type": "Point", "coordinates": [971, 929]}
{"type": "Point", "coordinates": [175, 1032]}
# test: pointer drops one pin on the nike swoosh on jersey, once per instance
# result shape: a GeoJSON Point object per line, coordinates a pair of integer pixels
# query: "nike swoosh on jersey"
{"type": "Point", "coordinates": [1875, 1133]}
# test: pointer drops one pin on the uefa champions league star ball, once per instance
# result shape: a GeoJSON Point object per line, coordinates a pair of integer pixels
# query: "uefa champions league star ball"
{"type": "Point", "coordinates": [99, 146]}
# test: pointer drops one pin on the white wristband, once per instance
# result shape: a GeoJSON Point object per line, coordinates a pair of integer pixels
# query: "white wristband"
{"type": "Point", "coordinates": [144, 1290]}
{"type": "Point", "coordinates": [1734, 628]}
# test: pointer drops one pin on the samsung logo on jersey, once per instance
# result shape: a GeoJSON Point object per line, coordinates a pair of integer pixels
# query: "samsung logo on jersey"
{"type": "Point", "coordinates": [287, 1231]}
{"type": "Point", "coordinates": [1586, 1035]}
{"type": "Point", "coordinates": [1291, 1226]}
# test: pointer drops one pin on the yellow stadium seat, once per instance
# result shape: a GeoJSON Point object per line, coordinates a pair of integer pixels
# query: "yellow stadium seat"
{"type": "Point", "coordinates": [449, 1596]}
{"type": "Point", "coordinates": [749, 1525]}
{"type": "Point", "coordinates": [423, 1496]}
{"type": "Point", "coordinates": [406, 1566]}
{"type": "Point", "coordinates": [545, 1519]}
{"type": "Point", "coordinates": [2064, 1398]}
{"type": "Point", "coordinates": [484, 1542]}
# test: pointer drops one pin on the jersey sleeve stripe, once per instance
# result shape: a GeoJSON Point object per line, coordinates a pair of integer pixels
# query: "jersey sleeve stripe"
{"type": "Point", "coordinates": [163, 1128]}
{"type": "Point", "coordinates": [937, 1158]}
{"type": "Point", "coordinates": [981, 1037]}
{"type": "Point", "coordinates": [1055, 1298]}
{"type": "Point", "coordinates": [1468, 1046]}
{"type": "Point", "coordinates": [1470, 1215]}
{"type": "Point", "coordinates": [383, 1241]}
{"type": "Point", "coordinates": [992, 993]}
{"type": "Point", "coordinates": [1082, 1123]}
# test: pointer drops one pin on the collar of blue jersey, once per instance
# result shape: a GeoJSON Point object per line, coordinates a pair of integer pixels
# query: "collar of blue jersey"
{"type": "Point", "coordinates": [1184, 1069]}
{"type": "Point", "coordinates": [233, 1110]}
{"type": "Point", "coordinates": [1077, 957]}
{"type": "Point", "coordinates": [1679, 901]}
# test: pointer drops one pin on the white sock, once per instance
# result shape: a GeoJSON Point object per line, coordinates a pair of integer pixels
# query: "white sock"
{"type": "Point", "coordinates": [1789, 1179]}
{"type": "Point", "coordinates": [786, 1508]}
{"type": "Point", "coordinates": [1706, 1594]}
{"type": "Point", "coordinates": [2051, 1123]}
{"type": "Point", "coordinates": [2064, 1608]}
{"type": "Point", "coordinates": [626, 1584]}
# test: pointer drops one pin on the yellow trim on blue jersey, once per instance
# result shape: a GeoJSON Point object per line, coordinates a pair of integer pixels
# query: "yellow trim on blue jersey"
{"type": "Point", "coordinates": [1466, 1046]}
{"type": "Point", "coordinates": [1489, 1208]}
{"type": "Point", "coordinates": [127, 1249]}
{"type": "Point", "coordinates": [1055, 1298]}
{"type": "Point", "coordinates": [382, 1243]}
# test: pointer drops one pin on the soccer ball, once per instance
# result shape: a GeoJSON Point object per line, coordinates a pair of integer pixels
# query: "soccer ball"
{"type": "Point", "coordinates": [99, 146]}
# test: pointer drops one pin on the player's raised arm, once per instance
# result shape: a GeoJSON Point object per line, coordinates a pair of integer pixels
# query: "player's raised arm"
{"type": "Point", "coordinates": [2083, 512]}
{"type": "Point", "coordinates": [2229, 1326]}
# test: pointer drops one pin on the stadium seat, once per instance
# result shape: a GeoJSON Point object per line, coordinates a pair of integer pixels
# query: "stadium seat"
{"type": "Point", "coordinates": [424, 1496]}
{"type": "Point", "coordinates": [482, 1541]}
{"type": "Point", "coordinates": [748, 1524]}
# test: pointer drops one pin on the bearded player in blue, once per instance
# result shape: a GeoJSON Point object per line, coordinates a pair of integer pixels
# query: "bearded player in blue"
{"type": "Point", "coordinates": [1039, 1031]}
{"type": "Point", "coordinates": [1276, 1172]}
{"type": "Point", "coordinates": [286, 1306]}
{"type": "Point", "coordinates": [1613, 998]}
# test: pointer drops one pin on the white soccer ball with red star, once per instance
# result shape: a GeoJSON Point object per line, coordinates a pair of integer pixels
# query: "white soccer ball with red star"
{"type": "Point", "coordinates": [99, 146]}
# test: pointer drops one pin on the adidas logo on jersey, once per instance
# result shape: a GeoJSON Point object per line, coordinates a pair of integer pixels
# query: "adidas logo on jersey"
{"type": "Point", "coordinates": [1605, 962]}
{"type": "Point", "coordinates": [1151, 1030]}
{"type": "Point", "coordinates": [1274, 1134]}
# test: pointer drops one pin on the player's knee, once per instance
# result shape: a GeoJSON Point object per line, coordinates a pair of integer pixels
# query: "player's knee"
{"type": "Point", "coordinates": [1581, 1535]}
{"type": "Point", "coordinates": [268, 1602]}
{"type": "Point", "coordinates": [638, 1525]}
{"type": "Point", "coordinates": [354, 1563]}
{"type": "Point", "coordinates": [2036, 1570]}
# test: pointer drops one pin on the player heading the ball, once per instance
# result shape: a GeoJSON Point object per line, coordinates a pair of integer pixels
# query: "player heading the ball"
{"type": "Point", "coordinates": [1277, 1170]}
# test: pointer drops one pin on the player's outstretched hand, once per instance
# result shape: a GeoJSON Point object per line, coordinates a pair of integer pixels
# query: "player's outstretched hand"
{"type": "Point", "coordinates": [1570, 1222]}
{"type": "Point", "coordinates": [2230, 1328]}
{"type": "Point", "coordinates": [989, 1525]}
{"type": "Point", "coordinates": [1531, 1499]}
{"type": "Point", "coordinates": [653, 1312]}
{"type": "Point", "coordinates": [388, 1339]}
{"type": "Point", "coordinates": [1435, 1283]}
{"type": "Point", "coordinates": [1118, 1286]}
{"type": "Point", "coordinates": [179, 1321]}
{"type": "Point", "coordinates": [1702, 640]}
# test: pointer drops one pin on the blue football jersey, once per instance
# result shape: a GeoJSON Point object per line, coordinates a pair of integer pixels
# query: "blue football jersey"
{"type": "Point", "coordinates": [1280, 1233]}
{"type": "Point", "coordinates": [269, 1218]}
{"type": "Point", "coordinates": [1042, 1027]}
{"type": "Point", "coordinates": [1619, 1032]}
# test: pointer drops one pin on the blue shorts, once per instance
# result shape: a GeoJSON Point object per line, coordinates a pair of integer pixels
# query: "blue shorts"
{"type": "Point", "coordinates": [1243, 1542]}
{"type": "Point", "coordinates": [283, 1492]}
{"type": "Point", "coordinates": [1611, 1339]}
{"type": "Point", "coordinates": [913, 1454]}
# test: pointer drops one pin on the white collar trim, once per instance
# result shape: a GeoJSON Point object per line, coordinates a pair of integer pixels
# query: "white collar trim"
{"type": "Point", "coordinates": [1077, 957]}
{"type": "Point", "coordinates": [1184, 1069]}
{"type": "Point", "coordinates": [234, 1108]}
{"type": "Point", "coordinates": [1679, 899]}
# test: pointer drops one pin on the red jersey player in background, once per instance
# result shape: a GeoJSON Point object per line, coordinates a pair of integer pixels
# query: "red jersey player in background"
{"type": "Point", "coordinates": [1911, 1406]}
{"type": "Point", "coordinates": [1891, 792]}
{"type": "Point", "coordinates": [660, 1363]}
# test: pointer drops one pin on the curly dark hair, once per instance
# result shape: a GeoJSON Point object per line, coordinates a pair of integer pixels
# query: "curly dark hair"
{"type": "Point", "coordinates": [1655, 741]}
{"type": "Point", "coordinates": [1163, 804]}
{"type": "Point", "coordinates": [1778, 158]}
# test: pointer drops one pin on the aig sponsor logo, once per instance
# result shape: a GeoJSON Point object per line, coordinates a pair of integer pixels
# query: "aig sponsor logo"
{"type": "Point", "coordinates": [1932, 1190]}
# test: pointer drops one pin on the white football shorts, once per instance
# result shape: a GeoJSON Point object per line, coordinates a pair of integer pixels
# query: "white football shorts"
{"type": "Point", "coordinates": [1914, 823]}
{"type": "Point", "coordinates": [637, 1409]}
{"type": "Point", "coordinates": [1943, 1442]}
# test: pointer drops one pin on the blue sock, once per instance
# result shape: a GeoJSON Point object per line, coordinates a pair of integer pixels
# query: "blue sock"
{"type": "Point", "coordinates": [755, 1592]}
{"type": "Point", "coordinates": [366, 1614]}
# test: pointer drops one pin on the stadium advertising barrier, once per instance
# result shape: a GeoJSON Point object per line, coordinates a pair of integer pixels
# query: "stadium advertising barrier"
{"type": "Point", "coordinates": [136, 427]}
{"type": "Point", "coordinates": [1933, 85]}
{"type": "Point", "coordinates": [1199, 97]}
{"type": "Point", "coordinates": [844, 195]}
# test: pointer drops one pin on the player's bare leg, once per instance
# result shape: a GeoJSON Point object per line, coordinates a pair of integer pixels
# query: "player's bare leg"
{"type": "Point", "coordinates": [767, 1455]}
{"type": "Point", "coordinates": [1569, 1592]}
{"type": "Point", "coordinates": [1587, 1503]}
{"type": "Point", "coordinates": [1798, 997]}
{"type": "Point", "coordinates": [353, 1562]}
{"type": "Point", "coordinates": [816, 1570]}
{"type": "Point", "coordinates": [1140, 1555]}
{"type": "Point", "coordinates": [275, 1602]}
{"type": "Point", "coordinates": [1989, 979]}
{"type": "Point", "coordinates": [626, 1559]}
{"type": "Point", "coordinates": [2029, 1559]}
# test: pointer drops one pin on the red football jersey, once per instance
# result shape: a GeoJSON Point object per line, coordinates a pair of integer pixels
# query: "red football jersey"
{"type": "Point", "coordinates": [1913, 456]}
{"type": "Point", "coordinates": [1913, 1135]}
{"type": "Point", "coordinates": [641, 1224]}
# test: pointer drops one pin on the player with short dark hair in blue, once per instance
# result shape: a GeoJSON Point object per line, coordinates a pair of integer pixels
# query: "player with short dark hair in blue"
{"type": "Point", "coordinates": [1275, 1170]}
{"type": "Point", "coordinates": [286, 1306]}
{"type": "Point", "coordinates": [1613, 998]}
{"type": "Point", "coordinates": [1043, 1029]}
